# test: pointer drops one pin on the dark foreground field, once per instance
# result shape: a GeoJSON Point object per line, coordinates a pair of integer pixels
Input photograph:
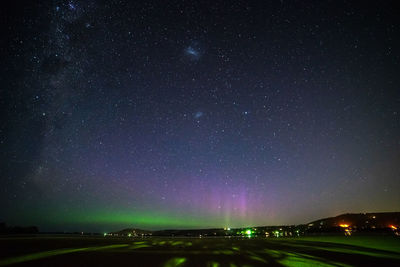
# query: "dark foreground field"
{"type": "Point", "coordinates": [170, 252]}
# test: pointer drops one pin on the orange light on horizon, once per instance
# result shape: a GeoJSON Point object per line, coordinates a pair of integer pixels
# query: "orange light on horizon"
{"type": "Point", "coordinates": [393, 227]}
{"type": "Point", "coordinates": [344, 225]}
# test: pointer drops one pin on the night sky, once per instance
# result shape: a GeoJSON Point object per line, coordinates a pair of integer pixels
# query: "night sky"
{"type": "Point", "coordinates": [185, 114]}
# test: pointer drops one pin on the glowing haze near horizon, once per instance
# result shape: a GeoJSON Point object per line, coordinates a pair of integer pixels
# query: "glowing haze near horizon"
{"type": "Point", "coordinates": [176, 114]}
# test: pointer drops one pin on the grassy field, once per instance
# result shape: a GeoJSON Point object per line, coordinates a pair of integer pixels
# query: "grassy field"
{"type": "Point", "coordinates": [173, 252]}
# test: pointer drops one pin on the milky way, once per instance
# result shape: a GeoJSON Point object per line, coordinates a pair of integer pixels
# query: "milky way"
{"type": "Point", "coordinates": [175, 114]}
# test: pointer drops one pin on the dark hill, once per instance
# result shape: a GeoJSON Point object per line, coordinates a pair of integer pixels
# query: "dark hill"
{"type": "Point", "coordinates": [131, 232]}
{"type": "Point", "coordinates": [360, 220]}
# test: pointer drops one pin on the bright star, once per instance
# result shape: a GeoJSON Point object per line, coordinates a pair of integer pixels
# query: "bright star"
{"type": "Point", "coordinates": [192, 52]}
{"type": "Point", "coordinates": [198, 115]}
{"type": "Point", "coordinates": [71, 5]}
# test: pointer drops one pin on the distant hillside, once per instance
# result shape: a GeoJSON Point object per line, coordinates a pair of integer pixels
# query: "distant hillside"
{"type": "Point", "coordinates": [6, 230]}
{"type": "Point", "coordinates": [131, 232]}
{"type": "Point", "coordinates": [360, 220]}
{"type": "Point", "coordinates": [378, 222]}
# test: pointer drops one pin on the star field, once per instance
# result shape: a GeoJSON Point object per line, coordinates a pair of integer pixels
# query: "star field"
{"type": "Point", "coordinates": [175, 114]}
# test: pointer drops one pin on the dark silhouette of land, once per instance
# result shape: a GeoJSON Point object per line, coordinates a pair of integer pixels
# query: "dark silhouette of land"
{"type": "Point", "coordinates": [10, 230]}
{"type": "Point", "coordinates": [373, 223]}
{"type": "Point", "coordinates": [368, 239]}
